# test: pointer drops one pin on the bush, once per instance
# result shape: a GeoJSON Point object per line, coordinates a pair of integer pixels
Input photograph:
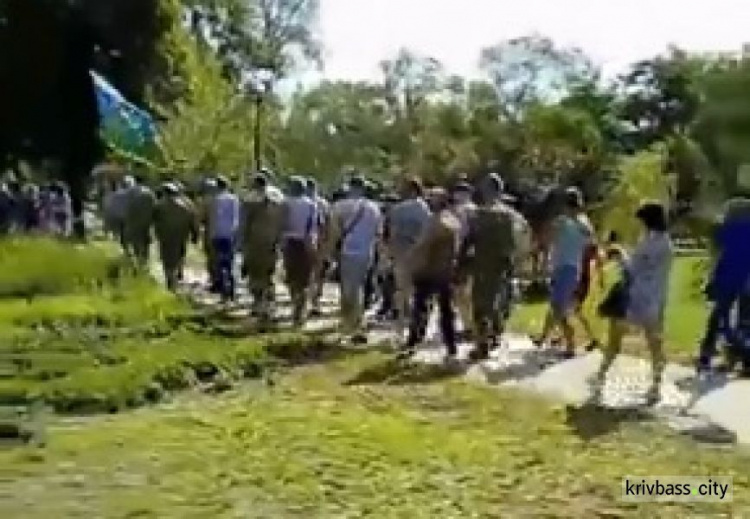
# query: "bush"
{"type": "Point", "coordinates": [41, 266]}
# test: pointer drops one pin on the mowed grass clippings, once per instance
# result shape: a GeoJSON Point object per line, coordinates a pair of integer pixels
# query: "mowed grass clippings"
{"type": "Point", "coordinates": [315, 445]}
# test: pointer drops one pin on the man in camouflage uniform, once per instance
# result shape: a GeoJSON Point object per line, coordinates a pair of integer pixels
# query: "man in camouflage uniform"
{"type": "Point", "coordinates": [464, 209]}
{"type": "Point", "coordinates": [488, 253]}
{"type": "Point", "coordinates": [262, 216]}
{"type": "Point", "coordinates": [175, 223]}
{"type": "Point", "coordinates": [139, 217]}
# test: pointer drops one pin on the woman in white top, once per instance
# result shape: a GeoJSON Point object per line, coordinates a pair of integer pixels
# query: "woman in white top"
{"type": "Point", "coordinates": [646, 274]}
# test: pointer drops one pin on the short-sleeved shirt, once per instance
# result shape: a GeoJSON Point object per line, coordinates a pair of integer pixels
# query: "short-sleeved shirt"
{"type": "Point", "coordinates": [361, 239]}
{"type": "Point", "coordinates": [570, 239]}
{"type": "Point", "coordinates": [225, 215]}
{"type": "Point", "coordinates": [301, 218]}
{"type": "Point", "coordinates": [406, 222]}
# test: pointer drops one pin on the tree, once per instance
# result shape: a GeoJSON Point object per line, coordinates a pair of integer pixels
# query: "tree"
{"type": "Point", "coordinates": [660, 98]}
{"type": "Point", "coordinates": [335, 125]}
{"type": "Point", "coordinates": [285, 35]}
{"type": "Point", "coordinates": [722, 127]}
{"type": "Point", "coordinates": [641, 178]}
{"type": "Point", "coordinates": [531, 69]}
{"type": "Point", "coordinates": [409, 80]}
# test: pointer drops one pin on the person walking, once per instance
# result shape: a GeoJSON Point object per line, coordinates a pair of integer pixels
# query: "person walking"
{"type": "Point", "coordinates": [642, 296]}
{"type": "Point", "coordinates": [406, 223]}
{"type": "Point", "coordinates": [464, 209]}
{"type": "Point", "coordinates": [224, 222]}
{"type": "Point", "coordinates": [432, 263]}
{"type": "Point", "coordinates": [572, 233]}
{"type": "Point", "coordinates": [262, 221]}
{"type": "Point", "coordinates": [300, 241]}
{"type": "Point", "coordinates": [175, 224]}
{"type": "Point", "coordinates": [489, 251]}
{"type": "Point", "coordinates": [140, 205]}
{"type": "Point", "coordinates": [356, 225]}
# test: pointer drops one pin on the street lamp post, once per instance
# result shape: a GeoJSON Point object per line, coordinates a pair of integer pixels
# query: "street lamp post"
{"type": "Point", "coordinates": [259, 84]}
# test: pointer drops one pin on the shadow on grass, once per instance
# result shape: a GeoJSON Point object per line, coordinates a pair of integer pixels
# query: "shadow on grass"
{"type": "Point", "coordinates": [530, 364]}
{"type": "Point", "coordinates": [402, 372]}
{"type": "Point", "coordinates": [590, 421]}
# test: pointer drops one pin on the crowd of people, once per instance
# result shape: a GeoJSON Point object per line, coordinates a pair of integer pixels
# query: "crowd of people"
{"type": "Point", "coordinates": [455, 249]}
{"type": "Point", "coordinates": [33, 208]}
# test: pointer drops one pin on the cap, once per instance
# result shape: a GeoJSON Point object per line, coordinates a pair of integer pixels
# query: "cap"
{"type": "Point", "coordinates": [495, 182]}
{"type": "Point", "coordinates": [221, 181]}
{"type": "Point", "coordinates": [573, 197]}
{"type": "Point", "coordinates": [358, 182]}
{"type": "Point", "coordinates": [170, 188]}
{"type": "Point", "coordinates": [462, 187]}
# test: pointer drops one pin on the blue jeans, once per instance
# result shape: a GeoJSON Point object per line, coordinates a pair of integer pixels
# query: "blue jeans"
{"type": "Point", "coordinates": [224, 250]}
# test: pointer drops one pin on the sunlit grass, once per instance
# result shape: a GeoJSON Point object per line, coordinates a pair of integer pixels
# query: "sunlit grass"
{"type": "Point", "coordinates": [315, 446]}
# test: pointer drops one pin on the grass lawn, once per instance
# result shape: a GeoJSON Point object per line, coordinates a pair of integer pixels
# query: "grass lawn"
{"type": "Point", "coordinates": [77, 337]}
{"type": "Point", "coordinates": [337, 440]}
{"type": "Point", "coordinates": [686, 313]}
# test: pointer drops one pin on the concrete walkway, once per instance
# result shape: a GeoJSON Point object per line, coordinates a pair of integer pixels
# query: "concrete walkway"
{"type": "Point", "coordinates": [716, 409]}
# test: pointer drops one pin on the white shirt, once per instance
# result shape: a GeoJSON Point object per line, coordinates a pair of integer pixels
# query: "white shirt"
{"type": "Point", "coordinates": [226, 215]}
{"type": "Point", "coordinates": [362, 237]}
{"type": "Point", "coordinates": [301, 218]}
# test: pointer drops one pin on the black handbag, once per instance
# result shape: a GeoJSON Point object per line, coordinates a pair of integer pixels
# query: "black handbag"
{"type": "Point", "coordinates": [615, 303]}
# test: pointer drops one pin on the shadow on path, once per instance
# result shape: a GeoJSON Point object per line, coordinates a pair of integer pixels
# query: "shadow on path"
{"type": "Point", "coordinates": [590, 421]}
{"type": "Point", "coordinates": [403, 372]}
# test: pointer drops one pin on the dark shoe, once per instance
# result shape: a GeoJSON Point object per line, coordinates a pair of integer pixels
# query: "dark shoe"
{"type": "Point", "coordinates": [568, 354]}
{"type": "Point", "coordinates": [593, 345]}
{"type": "Point", "coordinates": [653, 396]}
{"type": "Point", "coordinates": [703, 365]}
{"type": "Point", "coordinates": [359, 338]}
{"type": "Point", "coordinates": [479, 354]}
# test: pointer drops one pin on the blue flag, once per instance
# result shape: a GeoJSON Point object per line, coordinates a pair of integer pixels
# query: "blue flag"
{"type": "Point", "coordinates": [123, 124]}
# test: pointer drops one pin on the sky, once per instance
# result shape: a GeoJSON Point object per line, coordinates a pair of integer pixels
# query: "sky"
{"type": "Point", "coordinates": [358, 34]}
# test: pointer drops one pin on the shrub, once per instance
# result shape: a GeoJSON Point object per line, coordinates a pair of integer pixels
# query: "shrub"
{"type": "Point", "coordinates": [42, 266]}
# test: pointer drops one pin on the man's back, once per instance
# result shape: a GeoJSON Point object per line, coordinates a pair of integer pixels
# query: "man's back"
{"type": "Point", "coordinates": [435, 254]}
{"type": "Point", "coordinates": [225, 215]}
{"type": "Point", "coordinates": [262, 220]}
{"type": "Point", "coordinates": [406, 222]}
{"type": "Point", "coordinates": [173, 219]}
{"type": "Point", "coordinates": [140, 207]}
{"type": "Point", "coordinates": [360, 219]}
{"type": "Point", "coordinates": [301, 217]}
{"type": "Point", "coordinates": [493, 236]}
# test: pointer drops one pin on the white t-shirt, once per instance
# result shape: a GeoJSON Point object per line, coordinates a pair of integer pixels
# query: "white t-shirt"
{"type": "Point", "coordinates": [362, 237]}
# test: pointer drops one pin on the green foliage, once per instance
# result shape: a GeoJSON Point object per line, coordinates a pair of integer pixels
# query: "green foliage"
{"type": "Point", "coordinates": [210, 128]}
{"type": "Point", "coordinates": [76, 337]}
{"type": "Point", "coordinates": [40, 266]}
{"type": "Point", "coordinates": [641, 177]}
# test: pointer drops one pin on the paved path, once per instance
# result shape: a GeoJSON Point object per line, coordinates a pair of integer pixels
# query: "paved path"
{"type": "Point", "coordinates": [713, 410]}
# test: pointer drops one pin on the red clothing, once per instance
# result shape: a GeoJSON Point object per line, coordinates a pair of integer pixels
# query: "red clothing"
{"type": "Point", "coordinates": [584, 284]}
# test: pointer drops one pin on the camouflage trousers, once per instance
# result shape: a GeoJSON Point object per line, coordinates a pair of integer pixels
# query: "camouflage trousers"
{"type": "Point", "coordinates": [490, 301]}
{"type": "Point", "coordinates": [258, 266]}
